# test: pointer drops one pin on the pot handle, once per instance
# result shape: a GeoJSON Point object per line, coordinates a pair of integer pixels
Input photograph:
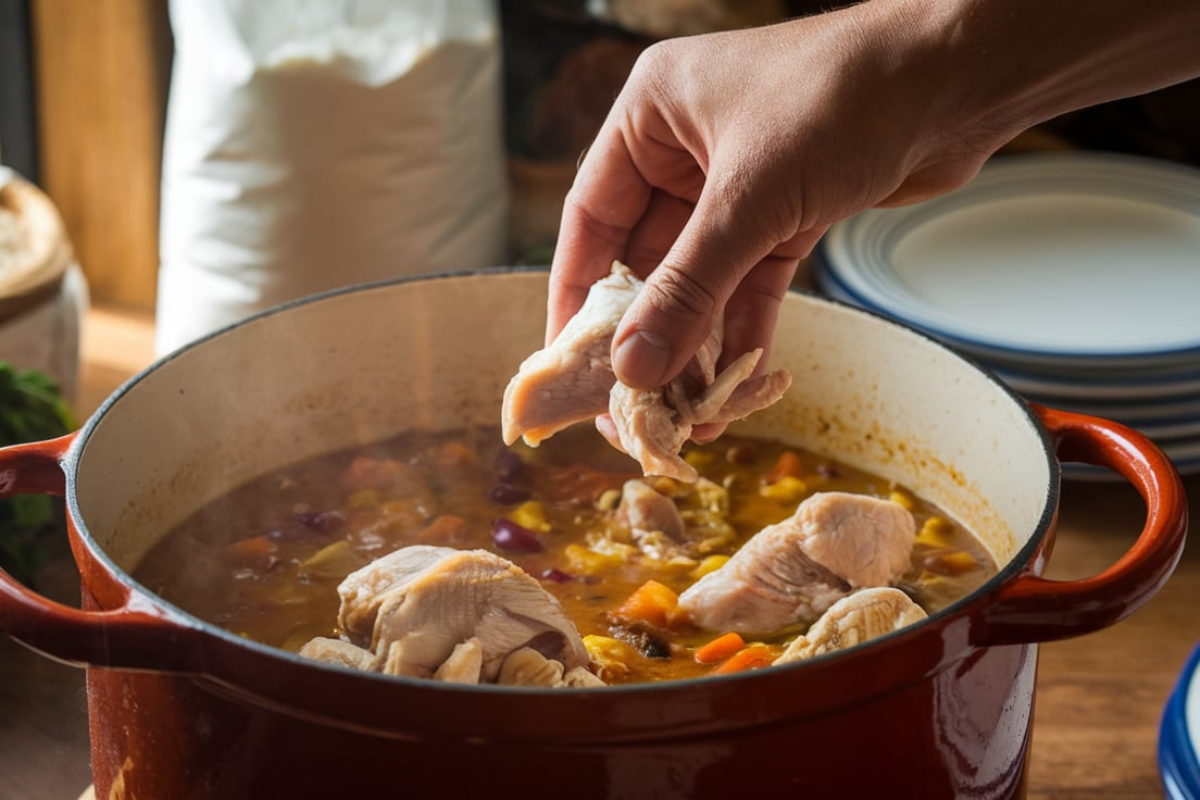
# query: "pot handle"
{"type": "Point", "coordinates": [127, 637]}
{"type": "Point", "coordinates": [1035, 609]}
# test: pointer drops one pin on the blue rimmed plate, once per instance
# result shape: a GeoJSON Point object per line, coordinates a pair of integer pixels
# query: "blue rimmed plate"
{"type": "Point", "coordinates": [1088, 261]}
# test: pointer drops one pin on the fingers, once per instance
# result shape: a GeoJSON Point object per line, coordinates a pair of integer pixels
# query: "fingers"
{"type": "Point", "coordinates": [608, 429]}
{"type": "Point", "coordinates": [708, 432]}
{"type": "Point", "coordinates": [605, 203]}
{"type": "Point", "coordinates": [716, 252]}
{"type": "Point", "coordinates": [753, 309]}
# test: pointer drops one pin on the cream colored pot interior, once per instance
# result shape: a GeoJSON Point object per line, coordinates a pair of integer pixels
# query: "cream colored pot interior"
{"type": "Point", "coordinates": [366, 364]}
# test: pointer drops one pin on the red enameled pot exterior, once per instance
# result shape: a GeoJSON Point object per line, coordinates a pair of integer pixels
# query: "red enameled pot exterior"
{"type": "Point", "coordinates": [180, 709]}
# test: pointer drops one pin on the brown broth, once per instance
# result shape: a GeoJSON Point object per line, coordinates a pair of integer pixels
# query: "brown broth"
{"type": "Point", "coordinates": [265, 560]}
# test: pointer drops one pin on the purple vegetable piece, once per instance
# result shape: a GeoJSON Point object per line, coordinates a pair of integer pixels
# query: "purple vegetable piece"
{"type": "Point", "coordinates": [506, 495]}
{"type": "Point", "coordinates": [556, 575]}
{"type": "Point", "coordinates": [322, 521]}
{"type": "Point", "coordinates": [513, 538]}
{"type": "Point", "coordinates": [509, 466]}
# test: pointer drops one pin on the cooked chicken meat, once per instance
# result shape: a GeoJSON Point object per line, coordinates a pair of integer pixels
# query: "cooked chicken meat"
{"type": "Point", "coordinates": [646, 510]}
{"type": "Point", "coordinates": [454, 615]}
{"type": "Point", "coordinates": [652, 425]}
{"type": "Point", "coordinates": [867, 614]}
{"type": "Point", "coordinates": [335, 651]}
{"type": "Point", "coordinates": [528, 667]}
{"type": "Point", "coordinates": [572, 380]}
{"type": "Point", "coordinates": [861, 539]}
{"type": "Point", "coordinates": [465, 664]}
{"type": "Point", "coordinates": [791, 572]}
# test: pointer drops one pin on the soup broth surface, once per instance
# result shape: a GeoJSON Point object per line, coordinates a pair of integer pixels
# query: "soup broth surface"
{"type": "Point", "coordinates": [265, 560]}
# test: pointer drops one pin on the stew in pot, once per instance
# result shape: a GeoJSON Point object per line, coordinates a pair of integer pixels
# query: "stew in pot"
{"type": "Point", "coordinates": [451, 556]}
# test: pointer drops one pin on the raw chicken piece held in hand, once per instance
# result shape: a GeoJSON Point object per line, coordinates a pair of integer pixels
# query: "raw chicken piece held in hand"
{"type": "Point", "coordinates": [572, 379]}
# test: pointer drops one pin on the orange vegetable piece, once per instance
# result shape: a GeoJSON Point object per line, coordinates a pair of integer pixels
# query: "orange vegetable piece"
{"type": "Point", "coordinates": [256, 552]}
{"type": "Point", "coordinates": [755, 656]}
{"type": "Point", "coordinates": [379, 474]}
{"type": "Point", "coordinates": [447, 530]}
{"type": "Point", "coordinates": [950, 562]}
{"type": "Point", "coordinates": [651, 602]}
{"type": "Point", "coordinates": [455, 457]}
{"type": "Point", "coordinates": [720, 648]}
{"type": "Point", "coordinates": [787, 465]}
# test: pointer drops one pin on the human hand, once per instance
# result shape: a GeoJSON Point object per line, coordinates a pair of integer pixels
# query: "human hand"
{"type": "Point", "coordinates": [727, 156]}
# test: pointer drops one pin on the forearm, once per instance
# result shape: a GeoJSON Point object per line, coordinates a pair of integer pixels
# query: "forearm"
{"type": "Point", "coordinates": [1007, 65]}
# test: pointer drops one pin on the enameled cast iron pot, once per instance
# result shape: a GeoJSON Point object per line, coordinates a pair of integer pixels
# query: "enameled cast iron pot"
{"type": "Point", "coordinates": [181, 709]}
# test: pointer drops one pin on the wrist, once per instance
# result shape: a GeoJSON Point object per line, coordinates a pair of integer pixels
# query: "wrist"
{"type": "Point", "coordinates": [1007, 65]}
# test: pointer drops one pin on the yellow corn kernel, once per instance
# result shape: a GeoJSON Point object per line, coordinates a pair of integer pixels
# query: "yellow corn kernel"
{"type": "Point", "coordinates": [709, 564]}
{"type": "Point", "coordinates": [936, 532]}
{"type": "Point", "coordinates": [668, 487]}
{"type": "Point", "coordinates": [712, 497]}
{"type": "Point", "coordinates": [583, 561]}
{"type": "Point", "coordinates": [610, 656]}
{"type": "Point", "coordinates": [952, 563]}
{"type": "Point", "coordinates": [903, 498]}
{"type": "Point", "coordinates": [532, 515]}
{"type": "Point", "coordinates": [609, 500]}
{"type": "Point", "coordinates": [786, 490]}
{"type": "Point", "coordinates": [362, 500]}
{"type": "Point", "coordinates": [699, 458]}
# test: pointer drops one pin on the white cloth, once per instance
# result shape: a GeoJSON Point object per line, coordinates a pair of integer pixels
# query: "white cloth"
{"type": "Point", "coordinates": [313, 144]}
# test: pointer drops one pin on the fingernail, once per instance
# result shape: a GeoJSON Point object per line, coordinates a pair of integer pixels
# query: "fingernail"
{"type": "Point", "coordinates": [642, 359]}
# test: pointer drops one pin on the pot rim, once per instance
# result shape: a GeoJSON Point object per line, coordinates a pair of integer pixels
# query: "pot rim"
{"type": "Point", "coordinates": [1019, 562]}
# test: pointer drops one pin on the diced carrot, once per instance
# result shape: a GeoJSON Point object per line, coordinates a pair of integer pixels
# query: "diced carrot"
{"type": "Point", "coordinates": [455, 457]}
{"type": "Point", "coordinates": [720, 648]}
{"type": "Point", "coordinates": [753, 657]}
{"type": "Point", "coordinates": [579, 482]}
{"type": "Point", "coordinates": [788, 465]}
{"type": "Point", "coordinates": [366, 472]}
{"type": "Point", "coordinates": [447, 530]}
{"type": "Point", "coordinates": [257, 552]}
{"type": "Point", "coordinates": [651, 602]}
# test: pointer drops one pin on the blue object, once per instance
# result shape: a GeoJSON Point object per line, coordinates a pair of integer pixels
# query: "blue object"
{"type": "Point", "coordinates": [1178, 760]}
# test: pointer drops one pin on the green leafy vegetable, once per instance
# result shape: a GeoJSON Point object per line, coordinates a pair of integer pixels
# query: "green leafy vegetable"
{"type": "Point", "coordinates": [32, 409]}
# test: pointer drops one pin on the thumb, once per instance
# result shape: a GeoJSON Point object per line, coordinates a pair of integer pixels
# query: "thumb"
{"type": "Point", "coordinates": [684, 296]}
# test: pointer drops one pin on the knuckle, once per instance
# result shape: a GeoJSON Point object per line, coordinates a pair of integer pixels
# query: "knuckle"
{"type": "Point", "coordinates": [578, 211]}
{"type": "Point", "coordinates": [654, 70]}
{"type": "Point", "coordinates": [679, 296]}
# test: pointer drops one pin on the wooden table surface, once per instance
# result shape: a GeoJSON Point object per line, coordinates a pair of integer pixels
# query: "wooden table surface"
{"type": "Point", "coordinates": [1100, 697]}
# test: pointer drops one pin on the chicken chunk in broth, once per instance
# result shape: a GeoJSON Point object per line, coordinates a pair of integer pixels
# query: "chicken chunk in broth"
{"type": "Point", "coordinates": [451, 557]}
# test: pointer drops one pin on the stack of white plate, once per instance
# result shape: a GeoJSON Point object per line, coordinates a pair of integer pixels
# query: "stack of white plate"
{"type": "Point", "coordinates": [1073, 277]}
